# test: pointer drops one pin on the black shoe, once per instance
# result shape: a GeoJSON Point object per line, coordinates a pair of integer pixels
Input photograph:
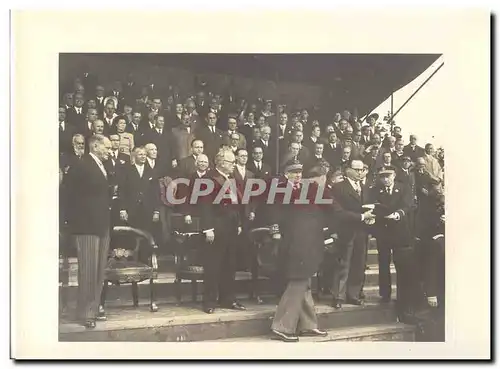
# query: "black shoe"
{"type": "Point", "coordinates": [90, 324]}
{"type": "Point", "coordinates": [385, 299]}
{"type": "Point", "coordinates": [354, 302]}
{"type": "Point", "coordinates": [314, 333]}
{"type": "Point", "coordinates": [337, 304]}
{"type": "Point", "coordinates": [209, 310]}
{"type": "Point", "coordinates": [235, 306]}
{"type": "Point", "coordinates": [101, 314]}
{"type": "Point", "coordinates": [284, 337]}
{"type": "Point", "coordinates": [362, 295]}
{"type": "Point", "coordinates": [408, 318]}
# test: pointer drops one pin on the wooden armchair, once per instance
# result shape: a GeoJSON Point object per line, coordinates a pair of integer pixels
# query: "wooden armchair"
{"type": "Point", "coordinates": [132, 260]}
{"type": "Point", "coordinates": [264, 258]}
{"type": "Point", "coordinates": [188, 265]}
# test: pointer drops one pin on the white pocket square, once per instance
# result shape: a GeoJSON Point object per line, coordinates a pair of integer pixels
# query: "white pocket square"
{"type": "Point", "coordinates": [150, 179]}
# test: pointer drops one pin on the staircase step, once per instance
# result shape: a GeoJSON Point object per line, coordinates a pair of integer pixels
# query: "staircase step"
{"type": "Point", "coordinates": [375, 332]}
{"type": "Point", "coordinates": [189, 323]}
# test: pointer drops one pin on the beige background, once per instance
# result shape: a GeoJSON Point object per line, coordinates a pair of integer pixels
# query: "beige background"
{"type": "Point", "coordinates": [463, 37]}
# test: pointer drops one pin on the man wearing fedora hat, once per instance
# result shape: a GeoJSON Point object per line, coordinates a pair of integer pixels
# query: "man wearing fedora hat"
{"type": "Point", "coordinates": [391, 229]}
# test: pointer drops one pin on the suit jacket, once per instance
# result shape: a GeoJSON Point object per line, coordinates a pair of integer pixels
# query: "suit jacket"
{"type": "Point", "coordinates": [414, 153]}
{"type": "Point", "coordinates": [162, 141]}
{"type": "Point", "coordinates": [357, 151]}
{"type": "Point", "coordinates": [310, 144]}
{"type": "Point", "coordinates": [116, 167]}
{"type": "Point", "coordinates": [181, 142]}
{"type": "Point", "coordinates": [186, 167]}
{"type": "Point", "coordinates": [66, 138]}
{"type": "Point", "coordinates": [407, 179]}
{"type": "Point", "coordinates": [247, 131]}
{"type": "Point", "coordinates": [99, 105]}
{"type": "Point", "coordinates": [397, 159]}
{"type": "Point", "coordinates": [263, 173]}
{"type": "Point", "coordinates": [301, 226]}
{"type": "Point", "coordinates": [242, 142]}
{"type": "Point", "coordinates": [350, 200]}
{"type": "Point", "coordinates": [139, 196]}
{"type": "Point", "coordinates": [68, 160]}
{"type": "Point", "coordinates": [391, 232]}
{"type": "Point", "coordinates": [212, 141]}
{"type": "Point", "coordinates": [221, 217]}
{"type": "Point", "coordinates": [74, 118]}
{"type": "Point", "coordinates": [331, 155]}
{"type": "Point", "coordinates": [88, 198]}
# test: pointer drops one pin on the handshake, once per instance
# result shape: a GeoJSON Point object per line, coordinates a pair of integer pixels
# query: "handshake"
{"type": "Point", "coordinates": [368, 217]}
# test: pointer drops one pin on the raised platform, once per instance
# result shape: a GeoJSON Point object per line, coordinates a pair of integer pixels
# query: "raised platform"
{"type": "Point", "coordinates": [188, 323]}
{"type": "Point", "coordinates": [376, 332]}
{"type": "Point", "coordinates": [165, 288]}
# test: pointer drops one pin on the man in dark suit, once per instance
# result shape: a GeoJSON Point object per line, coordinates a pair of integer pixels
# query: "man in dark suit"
{"type": "Point", "coordinates": [210, 135]}
{"type": "Point", "coordinates": [413, 150]}
{"type": "Point", "coordinates": [241, 175]}
{"type": "Point", "coordinates": [358, 149]}
{"type": "Point", "coordinates": [115, 166]}
{"type": "Point", "coordinates": [398, 154]}
{"type": "Point", "coordinates": [187, 166]}
{"type": "Point", "coordinates": [76, 115]}
{"type": "Point", "coordinates": [221, 223]}
{"type": "Point", "coordinates": [68, 159]}
{"type": "Point", "coordinates": [392, 232]}
{"type": "Point", "coordinates": [66, 132]}
{"type": "Point", "coordinates": [332, 150]}
{"type": "Point", "coordinates": [140, 194]}
{"type": "Point", "coordinates": [349, 274]}
{"type": "Point", "coordinates": [134, 126]}
{"type": "Point", "coordinates": [88, 212]}
{"type": "Point", "coordinates": [99, 98]}
{"type": "Point", "coordinates": [406, 176]}
{"type": "Point", "coordinates": [257, 166]}
{"type": "Point", "coordinates": [161, 138]}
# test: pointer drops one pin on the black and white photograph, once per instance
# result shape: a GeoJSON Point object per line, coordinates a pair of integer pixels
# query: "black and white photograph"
{"type": "Point", "coordinates": [255, 197]}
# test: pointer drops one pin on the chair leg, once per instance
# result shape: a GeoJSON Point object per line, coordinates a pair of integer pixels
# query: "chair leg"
{"type": "Point", "coordinates": [194, 286]}
{"type": "Point", "coordinates": [103, 294]}
{"type": "Point", "coordinates": [135, 294]}
{"type": "Point", "coordinates": [152, 296]}
{"type": "Point", "coordinates": [178, 292]}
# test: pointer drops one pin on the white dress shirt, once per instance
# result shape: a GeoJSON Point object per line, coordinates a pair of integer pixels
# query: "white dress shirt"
{"type": "Point", "coordinates": [100, 165]}
{"type": "Point", "coordinates": [151, 162]}
{"type": "Point", "coordinates": [140, 169]}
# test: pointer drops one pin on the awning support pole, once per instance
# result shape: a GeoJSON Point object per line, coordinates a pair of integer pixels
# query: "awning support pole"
{"type": "Point", "coordinates": [277, 125]}
{"type": "Point", "coordinates": [416, 91]}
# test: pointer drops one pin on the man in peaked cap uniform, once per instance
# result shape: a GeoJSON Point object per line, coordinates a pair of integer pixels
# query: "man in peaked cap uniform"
{"type": "Point", "coordinates": [391, 229]}
{"type": "Point", "coordinates": [300, 255]}
{"type": "Point", "coordinates": [300, 252]}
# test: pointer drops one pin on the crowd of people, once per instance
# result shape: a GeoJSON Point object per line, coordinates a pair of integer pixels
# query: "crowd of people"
{"type": "Point", "coordinates": [121, 148]}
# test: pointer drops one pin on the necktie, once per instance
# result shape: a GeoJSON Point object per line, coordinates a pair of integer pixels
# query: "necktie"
{"type": "Point", "coordinates": [61, 126]}
{"type": "Point", "coordinates": [357, 187]}
{"type": "Point", "coordinates": [388, 190]}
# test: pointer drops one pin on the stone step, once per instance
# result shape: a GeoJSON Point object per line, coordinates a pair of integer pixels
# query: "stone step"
{"type": "Point", "coordinates": [165, 288]}
{"type": "Point", "coordinates": [188, 323]}
{"type": "Point", "coordinates": [376, 332]}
